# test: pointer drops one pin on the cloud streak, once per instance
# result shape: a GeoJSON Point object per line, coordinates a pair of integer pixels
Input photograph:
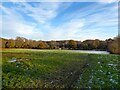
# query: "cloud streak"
{"type": "Point", "coordinates": [40, 20]}
{"type": "Point", "coordinates": [107, 1]}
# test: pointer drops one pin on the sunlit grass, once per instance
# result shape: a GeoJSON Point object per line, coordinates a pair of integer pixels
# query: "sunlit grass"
{"type": "Point", "coordinates": [58, 68]}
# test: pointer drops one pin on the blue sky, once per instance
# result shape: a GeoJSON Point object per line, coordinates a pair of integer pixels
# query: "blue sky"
{"type": "Point", "coordinates": [59, 20]}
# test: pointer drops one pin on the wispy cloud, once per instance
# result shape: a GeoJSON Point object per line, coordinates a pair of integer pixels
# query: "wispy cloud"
{"type": "Point", "coordinates": [36, 20]}
{"type": "Point", "coordinates": [67, 30]}
{"type": "Point", "coordinates": [108, 1]}
{"type": "Point", "coordinates": [88, 22]}
{"type": "Point", "coordinates": [40, 12]}
{"type": "Point", "coordinates": [14, 25]}
{"type": "Point", "coordinates": [61, 1]}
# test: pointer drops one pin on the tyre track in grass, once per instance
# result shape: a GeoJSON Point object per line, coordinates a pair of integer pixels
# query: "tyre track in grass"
{"type": "Point", "coordinates": [93, 73]}
{"type": "Point", "coordinates": [67, 76]}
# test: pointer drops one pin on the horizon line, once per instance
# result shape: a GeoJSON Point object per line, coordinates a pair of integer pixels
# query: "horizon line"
{"type": "Point", "coordinates": [62, 39]}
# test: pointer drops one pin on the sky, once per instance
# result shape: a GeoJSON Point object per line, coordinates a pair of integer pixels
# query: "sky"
{"type": "Point", "coordinates": [59, 20]}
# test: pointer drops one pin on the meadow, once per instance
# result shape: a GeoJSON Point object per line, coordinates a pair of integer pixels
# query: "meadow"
{"type": "Point", "coordinates": [27, 68]}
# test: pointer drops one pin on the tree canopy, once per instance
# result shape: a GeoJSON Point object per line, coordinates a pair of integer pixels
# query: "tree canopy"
{"type": "Point", "coordinates": [111, 45]}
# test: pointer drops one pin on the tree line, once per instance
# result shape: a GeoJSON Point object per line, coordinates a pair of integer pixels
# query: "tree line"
{"type": "Point", "coordinates": [111, 45]}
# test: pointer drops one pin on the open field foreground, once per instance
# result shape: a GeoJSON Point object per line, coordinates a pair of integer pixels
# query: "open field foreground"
{"type": "Point", "coordinates": [59, 69]}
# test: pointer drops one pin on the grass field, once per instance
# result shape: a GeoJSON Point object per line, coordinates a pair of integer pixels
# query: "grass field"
{"type": "Point", "coordinates": [59, 69]}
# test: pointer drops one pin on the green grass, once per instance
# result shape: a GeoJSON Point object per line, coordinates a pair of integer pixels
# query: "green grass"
{"type": "Point", "coordinates": [103, 72]}
{"type": "Point", "coordinates": [58, 69]}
